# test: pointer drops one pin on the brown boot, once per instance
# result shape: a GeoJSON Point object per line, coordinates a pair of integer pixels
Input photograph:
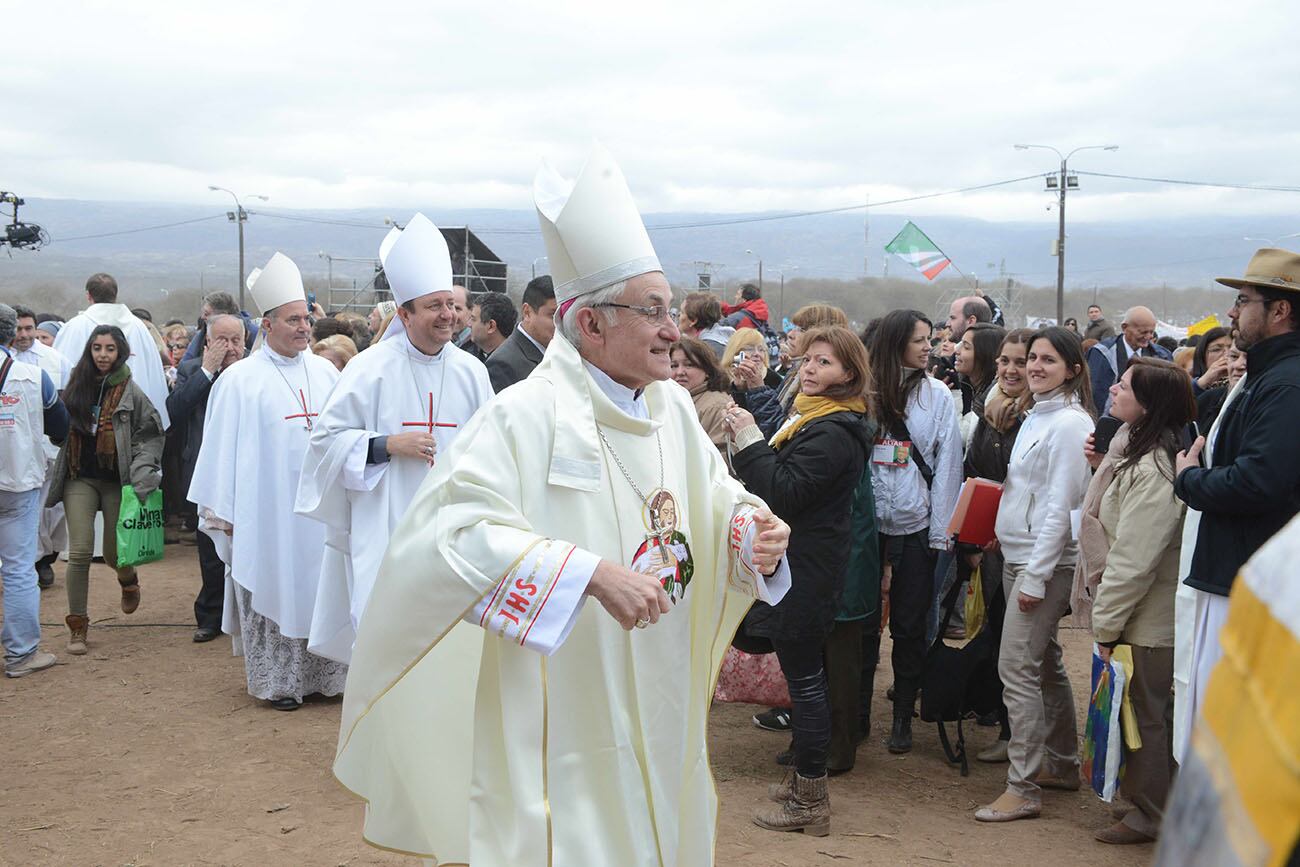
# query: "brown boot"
{"type": "Point", "coordinates": [808, 811]}
{"type": "Point", "coordinates": [130, 593]}
{"type": "Point", "coordinates": [782, 791]}
{"type": "Point", "coordinates": [79, 625]}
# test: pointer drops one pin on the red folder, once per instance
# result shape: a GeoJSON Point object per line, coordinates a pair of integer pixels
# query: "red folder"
{"type": "Point", "coordinates": [976, 514]}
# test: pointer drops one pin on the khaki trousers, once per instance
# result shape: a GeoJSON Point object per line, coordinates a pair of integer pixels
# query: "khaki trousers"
{"type": "Point", "coordinates": [1035, 687]}
{"type": "Point", "coordinates": [1149, 771]}
{"type": "Point", "coordinates": [82, 498]}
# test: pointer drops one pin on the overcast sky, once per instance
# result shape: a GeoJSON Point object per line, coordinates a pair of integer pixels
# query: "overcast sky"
{"type": "Point", "coordinates": [708, 106]}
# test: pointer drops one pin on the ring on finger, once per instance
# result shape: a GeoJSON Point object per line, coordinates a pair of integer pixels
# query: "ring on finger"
{"type": "Point", "coordinates": [642, 622]}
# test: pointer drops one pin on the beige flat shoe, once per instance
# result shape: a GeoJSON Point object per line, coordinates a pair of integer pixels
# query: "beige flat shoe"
{"type": "Point", "coordinates": [1009, 808]}
{"type": "Point", "coordinates": [994, 754]}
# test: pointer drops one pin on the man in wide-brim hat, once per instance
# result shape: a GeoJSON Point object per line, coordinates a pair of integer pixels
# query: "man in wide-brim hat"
{"type": "Point", "coordinates": [1248, 487]}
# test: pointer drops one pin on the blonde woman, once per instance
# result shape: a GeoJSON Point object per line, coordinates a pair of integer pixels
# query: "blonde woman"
{"type": "Point", "coordinates": [337, 349]}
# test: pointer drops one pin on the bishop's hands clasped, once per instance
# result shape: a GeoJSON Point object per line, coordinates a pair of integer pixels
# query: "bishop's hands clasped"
{"type": "Point", "coordinates": [770, 543]}
{"type": "Point", "coordinates": [413, 444]}
{"type": "Point", "coordinates": [634, 599]}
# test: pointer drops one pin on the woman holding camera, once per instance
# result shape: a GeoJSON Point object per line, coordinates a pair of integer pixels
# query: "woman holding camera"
{"type": "Point", "coordinates": [115, 438]}
{"type": "Point", "coordinates": [1129, 540]}
{"type": "Point", "coordinates": [1047, 478]}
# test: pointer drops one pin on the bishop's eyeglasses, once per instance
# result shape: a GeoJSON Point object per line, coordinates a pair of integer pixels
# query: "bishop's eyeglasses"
{"type": "Point", "coordinates": [657, 315]}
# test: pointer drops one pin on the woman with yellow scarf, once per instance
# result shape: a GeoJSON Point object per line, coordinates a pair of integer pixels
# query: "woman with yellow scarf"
{"type": "Point", "coordinates": [807, 474]}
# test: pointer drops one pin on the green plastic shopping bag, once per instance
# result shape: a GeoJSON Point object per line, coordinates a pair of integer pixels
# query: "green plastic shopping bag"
{"type": "Point", "coordinates": [139, 528]}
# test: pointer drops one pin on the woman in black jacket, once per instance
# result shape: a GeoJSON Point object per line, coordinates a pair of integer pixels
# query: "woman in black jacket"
{"type": "Point", "coordinates": [1001, 410]}
{"type": "Point", "coordinates": [807, 476]}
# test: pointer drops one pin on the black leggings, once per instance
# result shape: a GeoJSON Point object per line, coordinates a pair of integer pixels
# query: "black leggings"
{"type": "Point", "coordinates": [910, 594]}
{"type": "Point", "coordinates": [810, 716]}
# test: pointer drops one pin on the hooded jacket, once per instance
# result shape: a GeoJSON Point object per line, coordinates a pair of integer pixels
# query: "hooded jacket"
{"type": "Point", "coordinates": [746, 314]}
{"type": "Point", "coordinates": [1252, 487]}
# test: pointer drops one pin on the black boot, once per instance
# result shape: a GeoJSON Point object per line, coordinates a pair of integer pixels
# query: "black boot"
{"type": "Point", "coordinates": [45, 572]}
{"type": "Point", "coordinates": [900, 736]}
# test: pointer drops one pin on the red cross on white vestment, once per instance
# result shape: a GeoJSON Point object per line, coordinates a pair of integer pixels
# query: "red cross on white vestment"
{"type": "Point", "coordinates": [429, 424]}
{"type": "Point", "coordinates": [305, 415]}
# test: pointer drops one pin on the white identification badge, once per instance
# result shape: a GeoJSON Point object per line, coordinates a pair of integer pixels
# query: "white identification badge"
{"type": "Point", "coordinates": [891, 453]}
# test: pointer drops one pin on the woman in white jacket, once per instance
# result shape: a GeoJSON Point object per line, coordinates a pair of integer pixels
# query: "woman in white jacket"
{"type": "Point", "coordinates": [916, 476]}
{"type": "Point", "coordinates": [1046, 480]}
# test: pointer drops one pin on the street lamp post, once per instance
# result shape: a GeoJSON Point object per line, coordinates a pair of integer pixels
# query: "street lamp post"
{"type": "Point", "coordinates": [1060, 237]}
{"type": "Point", "coordinates": [781, 298]}
{"type": "Point", "coordinates": [760, 269]}
{"type": "Point", "coordinates": [239, 216]}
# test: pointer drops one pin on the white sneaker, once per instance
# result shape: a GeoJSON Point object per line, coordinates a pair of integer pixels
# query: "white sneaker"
{"type": "Point", "coordinates": [38, 660]}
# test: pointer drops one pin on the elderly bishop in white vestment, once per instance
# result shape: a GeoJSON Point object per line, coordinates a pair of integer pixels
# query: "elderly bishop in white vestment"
{"type": "Point", "coordinates": [261, 411]}
{"type": "Point", "coordinates": [518, 694]}
{"type": "Point", "coordinates": [396, 408]}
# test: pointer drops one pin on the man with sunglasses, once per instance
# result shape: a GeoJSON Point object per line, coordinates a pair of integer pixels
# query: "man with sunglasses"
{"type": "Point", "coordinates": [1245, 480]}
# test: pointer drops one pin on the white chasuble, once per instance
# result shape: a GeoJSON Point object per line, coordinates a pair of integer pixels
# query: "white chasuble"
{"type": "Point", "coordinates": [145, 361]}
{"type": "Point", "coordinates": [391, 388]}
{"type": "Point", "coordinates": [492, 715]}
{"type": "Point", "coordinates": [255, 434]}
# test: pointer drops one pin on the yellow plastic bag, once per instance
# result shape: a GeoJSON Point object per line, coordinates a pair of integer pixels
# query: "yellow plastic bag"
{"type": "Point", "coordinates": [974, 605]}
{"type": "Point", "coordinates": [1123, 656]}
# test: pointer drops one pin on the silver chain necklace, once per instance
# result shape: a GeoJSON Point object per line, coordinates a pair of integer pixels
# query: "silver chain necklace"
{"type": "Point", "coordinates": [442, 381]}
{"type": "Point", "coordinates": [613, 454]}
{"type": "Point", "coordinates": [307, 401]}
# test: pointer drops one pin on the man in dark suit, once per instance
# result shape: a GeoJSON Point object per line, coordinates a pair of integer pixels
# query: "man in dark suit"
{"type": "Point", "coordinates": [523, 350]}
{"type": "Point", "coordinates": [188, 402]}
{"type": "Point", "coordinates": [1108, 360]}
{"type": "Point", "coordinates": [491, 322]}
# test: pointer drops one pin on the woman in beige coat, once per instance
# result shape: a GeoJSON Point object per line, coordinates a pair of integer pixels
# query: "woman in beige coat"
{"type": "Point", "coordinates": [1129, 539]}
{"type": "Point", "coordinates": [695, 368]}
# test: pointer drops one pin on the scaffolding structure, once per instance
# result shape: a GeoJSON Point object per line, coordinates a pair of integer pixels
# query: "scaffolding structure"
{"type": "Point", "coordinates": [473, 265]}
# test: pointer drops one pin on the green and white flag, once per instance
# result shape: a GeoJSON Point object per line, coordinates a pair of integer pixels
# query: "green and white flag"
{"type": "Point", "coordinates": [914, 247]}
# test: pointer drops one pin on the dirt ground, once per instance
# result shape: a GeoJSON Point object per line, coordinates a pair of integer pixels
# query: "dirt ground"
{"type": "Point", "coordinates": [148, 751]}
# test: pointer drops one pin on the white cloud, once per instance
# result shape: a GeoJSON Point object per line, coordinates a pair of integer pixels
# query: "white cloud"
{"type": "Point", "coordinates": [717, 107]}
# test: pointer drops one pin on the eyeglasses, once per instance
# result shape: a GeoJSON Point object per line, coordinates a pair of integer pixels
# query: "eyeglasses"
{"type": "Point", "coordinates": [657, 315]}
{"type": "Point", "coordinates": [1242, 301]}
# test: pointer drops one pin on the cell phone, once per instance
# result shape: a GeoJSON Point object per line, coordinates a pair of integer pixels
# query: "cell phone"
{"type": "Point", "coordinates": [740, 356]}
{"type": "Point", "coordinates": [311, 299]}
{"type": "Point", "coordinates": [1104, 432]}
{"type": "Point", "coordinates": [1189, 435]}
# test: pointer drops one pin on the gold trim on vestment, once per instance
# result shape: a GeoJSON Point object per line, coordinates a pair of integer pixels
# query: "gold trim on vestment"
{"type": "Point", "coordinates": [385, 691]}
{"type": "Point", "coordinates": [421, 657]}
{"type": "Point", "coordinates": [546, 793]}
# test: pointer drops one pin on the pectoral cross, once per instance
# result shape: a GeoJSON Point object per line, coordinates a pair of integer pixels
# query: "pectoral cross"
{"type": "Point", "coordinates": [305, 415]}
{"type": "Point", "coordinates": [429, 424]}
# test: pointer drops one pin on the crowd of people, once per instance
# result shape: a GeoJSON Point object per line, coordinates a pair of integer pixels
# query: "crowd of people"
{"type": "Point", "coordinates": [1134, 488]}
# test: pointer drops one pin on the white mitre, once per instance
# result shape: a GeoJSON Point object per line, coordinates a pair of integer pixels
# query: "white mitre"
{"type": "Point", "coordinates": [279, 282]}
{"type": "Point", "coordinates": [593, 232]}
{"type": "Point", "coordinates": [416, 263]}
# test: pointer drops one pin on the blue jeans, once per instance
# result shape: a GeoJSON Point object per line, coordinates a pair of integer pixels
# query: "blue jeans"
{"type": "Point", "coordinates": [20, 517]}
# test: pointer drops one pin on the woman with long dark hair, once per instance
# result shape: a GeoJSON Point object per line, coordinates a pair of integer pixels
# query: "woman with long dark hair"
{"type": "Point", "coordinates": [916, 475]}
{"type": "Point", "coordinates": [1129, 541]}
{"type": "Point", "coordinates": [1210, 360]}
{"type": "Point", "coordinates": [1001, 410]}
{"type": "Point", "coordinates": [1047, 478]}
{"type": "Point", "coordinates": [807, 473]}
{"type": "Point", "coordinates": [696, 369]}
{"type": "Point", "coordinates": [115, 438]}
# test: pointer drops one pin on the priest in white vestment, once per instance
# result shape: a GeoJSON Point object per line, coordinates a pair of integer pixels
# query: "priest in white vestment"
{"type": "Point", "coordinates": [518, 695]}
{"type": "Point", "coordinates": [396, 408]}
{"type": "Point", "coordinates": [260, 414]}
{"type": "Point", "coordinates": [52, 532]}
{"type": "Point", "coordinates": [145, 362]}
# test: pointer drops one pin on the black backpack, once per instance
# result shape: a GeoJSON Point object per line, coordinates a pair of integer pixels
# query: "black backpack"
{"type": "Point", "coordinates": [957, 682]}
